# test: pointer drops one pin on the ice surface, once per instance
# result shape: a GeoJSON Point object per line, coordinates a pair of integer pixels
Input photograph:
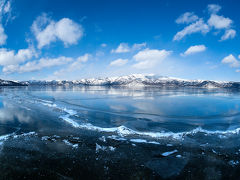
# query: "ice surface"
{"type": "Point", "coordinates": [143, 141]}
{"type": "Point", "coordinates": [169, 153]}
{"type": "Point", "coordinates": [13, 135]}
{"type": "Point", "coordinates": [70, 111]}
{"type": "Point", "coordinates": [153, 142]}
{"type": "Point", "coordinates": [117, 138]}
{"type": "Point", "coordinates": [5, 137]}
{"type": "Point", "coordinates": [69, 120]}
{"type": "Point", "coordinates": [123, 131]}
{"type": "Point", "coordinates": [138, 140]}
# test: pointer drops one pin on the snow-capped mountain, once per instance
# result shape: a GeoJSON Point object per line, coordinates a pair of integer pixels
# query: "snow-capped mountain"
{"type": "Point", "coordinates": [10, 83]}
{"type": "Point", "coordinates": [140, 80]}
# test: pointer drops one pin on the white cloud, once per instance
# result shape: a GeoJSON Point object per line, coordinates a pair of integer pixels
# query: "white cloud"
{"type": "Point", "coordinates": [119, 62]}
{"type": "Point", "coordinates": [84, 58]}
{"type": "Point", "coordinates": [148, 58]}
{"type": "Point", "coordinates": [213, 8]}
{"type": "Point", "coordinates": [187, 18]}
{"type": "Point", "coordinates": [68, 31]}
{"type": "Point", "coordinates": [3, 36]}
{"type": "Point", "coordinates": [46, 36]}
{"type": "Point", "coordinates": [47, 31]}
{"type": "Point", "coordinates": [6, 10]}
{"type": "Point", "coordinates": [37, 65]}
{"type": "Point", "coordinates": [219, 22]}
{"type": "Point", "coordinates": [9, 57]}
{"type": "Point", "coordinates": [229, 34]}
{"type": "Point", "coordinates": [5, 14]}
{"type": "Point", "coordinates": [231, 61]}
{"type": "Point", "coordinates": [75, 65]}
{"type": "Point", "coordinates": [124, 47]}
{"type": "Point", "coordinates": [194, 49]}
{"type": "Point", "coordinates": [103, 45]}
{"type": "Point", "coordinates": [7, 7]}
{"type": "Point", "coordinates": [100, 53]}
{"type": "Point", "coordinates": [198, 26]}
{"type": "Point", "coordinates": [138, 46]}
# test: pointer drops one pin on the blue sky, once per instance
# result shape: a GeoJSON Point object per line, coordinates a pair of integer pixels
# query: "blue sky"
{"type": "Point", "coordinates": [69, 39]}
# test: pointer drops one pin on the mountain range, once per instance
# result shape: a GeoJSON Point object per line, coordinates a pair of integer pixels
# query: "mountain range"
{"type": "Point", "coordinates": [137, 80]}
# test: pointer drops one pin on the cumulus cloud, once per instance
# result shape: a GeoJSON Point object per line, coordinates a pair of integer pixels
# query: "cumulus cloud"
{"type": "Point", "coordinates": [194, 49]}
{"type": "Point", "coordinates": [47, 31]}
{"type": "Point", "coordinates": [124, 47]}
{"type": "Point", "coordinates": [119, 62]}
{"type": "Point", "coordinates": [198, 26]}
{"type": "Point", "coordinates": [37, 64]}
{"type": "Point", "coordinates": [229, 34]}
{"type": "Point", "coordinates": [213, 8]}
{"type": "Point", "coordinates": [187, 18]}
{"type": "Point", "coordinates": [68, 31]}
{"type": "Point", "coordinates": [9, 57]}
{"type": "Point", "coordinates": [231, 61]}
{"type": "Point", "coordinates": [219, 22]}
{"type": "Point", "coordinates": [148, 58]}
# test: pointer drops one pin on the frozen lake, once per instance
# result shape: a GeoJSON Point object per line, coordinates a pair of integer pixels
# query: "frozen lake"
{"type": "Point", "coordinates": [107, 132]}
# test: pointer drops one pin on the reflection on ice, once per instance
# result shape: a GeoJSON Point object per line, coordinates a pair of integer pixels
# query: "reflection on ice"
{"type": "Point", "coordinates": [10, 113]}
{"type": "Point", "coordinates": [158, 113]}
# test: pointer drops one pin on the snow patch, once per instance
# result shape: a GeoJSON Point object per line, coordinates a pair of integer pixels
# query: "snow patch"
{"type": "Point", "coordinates": [45, 138]}
{"type": "Point", "coordinates": [103, 139]}
{"type": "Point", "coordinates": [70, 144]}
{"type": "Point", "coordinates": [25, 134]}
{"type": "Point", "coordinates": [233, 163]}
{"type": "Point", "coordinates": [98, 147]}
{"type": "Point", "coordinates": [104, 148]}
